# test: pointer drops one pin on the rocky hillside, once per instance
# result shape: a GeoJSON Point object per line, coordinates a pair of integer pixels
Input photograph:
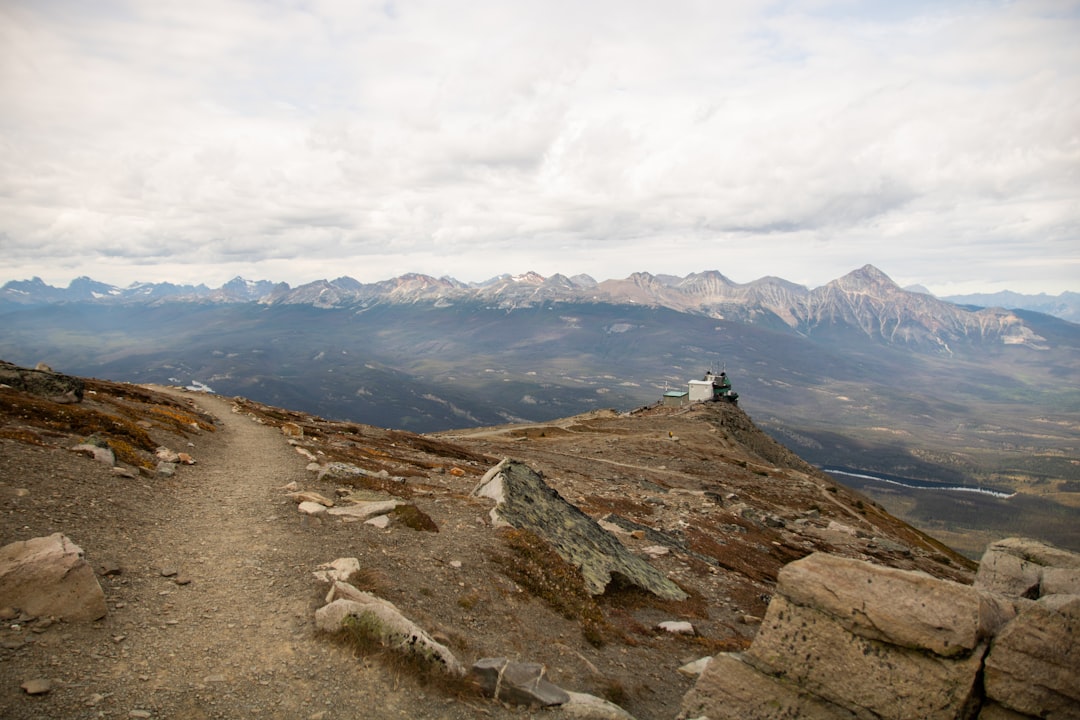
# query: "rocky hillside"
{"type": "Point", "coordinates": [660, 542]}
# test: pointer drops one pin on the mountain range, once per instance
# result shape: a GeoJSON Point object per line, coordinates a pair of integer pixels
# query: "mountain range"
{"type": "Point", "coordinates": [859, 373]}
{"type": "Point", "coordinates": [708, 292]}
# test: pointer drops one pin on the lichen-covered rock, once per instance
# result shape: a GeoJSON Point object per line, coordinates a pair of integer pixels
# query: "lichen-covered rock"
{"type": "Point", "coordinates": [381, 621]}
{"type": "Point", "coordinates": [1034, 664]}
{"type": "Point", "coordinates": [525, 501]}
{"type": "Point", "coordinates": [48, 577]}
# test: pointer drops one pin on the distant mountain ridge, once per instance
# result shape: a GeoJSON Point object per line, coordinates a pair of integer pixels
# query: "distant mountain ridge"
{"type": "Point", "coordinates": [865, 301]}
{"type": "Point", "coordinates": [1065, 306]}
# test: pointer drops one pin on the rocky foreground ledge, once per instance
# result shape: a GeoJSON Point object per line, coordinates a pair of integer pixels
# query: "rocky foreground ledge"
{"type": "Point", "coordinates": [846, 639]}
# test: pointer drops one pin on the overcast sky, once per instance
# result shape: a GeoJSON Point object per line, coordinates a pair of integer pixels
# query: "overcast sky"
{"type": "Point", "coordinates": [302, 139]}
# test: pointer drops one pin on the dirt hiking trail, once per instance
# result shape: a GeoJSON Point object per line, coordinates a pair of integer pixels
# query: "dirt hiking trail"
{"type": "Point", "coordinates": [211, 615]}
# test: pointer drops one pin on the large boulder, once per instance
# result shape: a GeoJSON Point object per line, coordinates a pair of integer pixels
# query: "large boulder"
{"type": "Point", "coordinates": [1016, 567]}
{"type": "Point", "coordinates": [524, 501]}
{"type": "Point", "coordinates": [1034, 664]}
{"type": "Point", "coordinates": [844, 638]}
{"type": "Point", "coordinates": [899, 607]}
{"type": "Point", "coordinates": [48, 577]}
{"type": "Point", "coordinates": [815, 651]}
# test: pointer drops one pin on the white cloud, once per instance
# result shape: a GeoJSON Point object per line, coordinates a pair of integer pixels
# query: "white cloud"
{"type": "Point", "coordinates": [201, 140]}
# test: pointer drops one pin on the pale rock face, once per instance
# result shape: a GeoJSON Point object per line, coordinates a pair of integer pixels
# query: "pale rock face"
{"type": "Point", "coordinates": [900, 607]}
{"type": "Point", "coordinates": [48, 577]}
{"type": "Point", "coordinates": [812, 649]}
{"type": "Point", "coordinates": [730, 689]}
{"type": "Point", "coordinates": [845, 639]}
{"type": "Point", "coordinates": [1015, 567]}
{"type": "Point", "coordinates": [1034, 666]}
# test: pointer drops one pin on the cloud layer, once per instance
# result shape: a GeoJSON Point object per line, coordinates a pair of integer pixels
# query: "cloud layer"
{"type": "Point", "coordinates": [297, 140]}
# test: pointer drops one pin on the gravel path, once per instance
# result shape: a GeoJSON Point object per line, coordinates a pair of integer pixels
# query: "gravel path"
{"type": "Point", "coordinates": [212, 614]}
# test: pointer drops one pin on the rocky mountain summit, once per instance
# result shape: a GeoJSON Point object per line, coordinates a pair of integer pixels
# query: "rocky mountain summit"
{"type": "Point", "coordinates": [865, 300]}
{"type": "Point", "coordinates": [256, 561]}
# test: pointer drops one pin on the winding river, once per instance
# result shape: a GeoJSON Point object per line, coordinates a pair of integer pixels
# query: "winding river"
{"type": "Point", "coordinates": [913, 484]}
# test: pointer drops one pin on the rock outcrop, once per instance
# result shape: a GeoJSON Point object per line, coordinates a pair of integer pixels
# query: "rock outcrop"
{"type": "Point", "coordinates": [48, 577]}
{"type": "Point", "coordinates": [847, 639]}
{"type": "Point", "coordinates": [42, 382]}
{"type": "Point", "coordinates": [524, 501]}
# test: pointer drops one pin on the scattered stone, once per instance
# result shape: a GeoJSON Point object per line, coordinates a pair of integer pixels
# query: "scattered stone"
{"type": "Point", "coordinates": [364, 510]}
{"type": "Point", "coordinates": [168, 571]}
{"type": "Point", "coordinates": [110, 568]}
{"type": "Point", "coordinates": [37, 686]}
{"type": "Point", "coordinates": [48, 576]}
{"type": "Point", "coordinates": [166, 469]}
{"type": "Point", "coordinates": [94, 700]}
{"type": "Point", "coordinates": [124, 472]}
{"type": "Point", "coordinates": [380, 521]}
{"type": "Point", "coordinates": [339, 570]}
{"type": "Point", "coordinates": [518, 683]}
{"type": "Point", "coordinates": [457, 472]}
{"type": "Point", "coordinates": [164, 454]}
{"type": "Point", "coordinates": [290, 486]}
{"type": "Point", "coordinates": [182, 580]}
{"type": "Point", "coordinates": [101, 454]}
{"type": "Point", "coordinates": [677, 627]}
{"type": "Point", "coordinates": [185, 459]}
{"type": "Point", "coordinates": [311, 508]}
{"type": "Point", "coordinates": [308, 496]}
{"type": "Point", "coordinates": [695, 668]}
{"type": "Point", "coordinates": [655, 551]}
{"type": "Point", "coordinates": [590, 707]}
{"type": "Point", "coordinates": [749, 619]}
{"type": "Point", "coordinates": [292, 430]}
{"type": "Point", "coordinates": [8, 613]}
{"type": "Point", "coordinates": [455, 563]}
{"type": "Point", "coordinates": [215, 678]}
{"type": "Point", "coordinates": [140, 714]}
